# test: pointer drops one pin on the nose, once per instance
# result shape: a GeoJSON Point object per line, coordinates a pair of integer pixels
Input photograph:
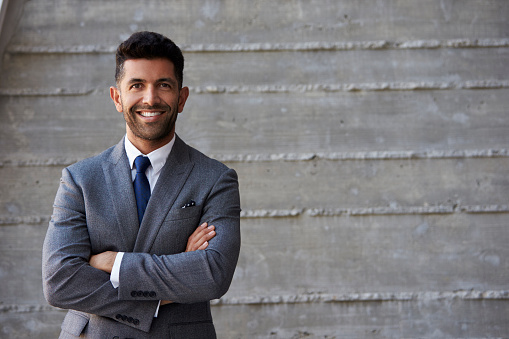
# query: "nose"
{"type": "Point", "coordinates": [150, 97]}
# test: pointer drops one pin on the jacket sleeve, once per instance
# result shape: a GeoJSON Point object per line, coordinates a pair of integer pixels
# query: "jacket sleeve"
{"type": "Point", "coordinates": [69, 281]}
{"type": "Point", "coordinates": [192, 276]}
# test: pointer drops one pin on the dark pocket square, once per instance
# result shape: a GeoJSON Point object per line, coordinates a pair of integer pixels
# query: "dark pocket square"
{"type": "Point", "coordinates": [191, 203]}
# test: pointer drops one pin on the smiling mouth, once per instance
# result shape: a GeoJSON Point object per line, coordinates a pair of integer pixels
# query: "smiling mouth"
{"type": "Point", "coordinates": [149, 114]}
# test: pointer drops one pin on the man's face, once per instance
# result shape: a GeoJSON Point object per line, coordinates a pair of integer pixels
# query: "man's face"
{"type": "Point", "coordinates": [149, 97]}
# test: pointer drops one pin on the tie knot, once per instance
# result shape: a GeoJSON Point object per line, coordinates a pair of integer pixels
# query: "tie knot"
{"type": "Point", "coordinates": [141, 163]}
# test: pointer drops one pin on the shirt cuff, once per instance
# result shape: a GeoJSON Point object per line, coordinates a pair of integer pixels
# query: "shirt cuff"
{"type": "Point", "coordinates": [115, 270]}
{"type": "Point", "coordinates": [115, 276]}
{"type": "Point", "coordinates": [157, 309]}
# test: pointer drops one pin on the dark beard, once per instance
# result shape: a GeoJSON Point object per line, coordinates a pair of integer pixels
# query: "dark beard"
{"type": "Point", "coordinates": [164, 128]}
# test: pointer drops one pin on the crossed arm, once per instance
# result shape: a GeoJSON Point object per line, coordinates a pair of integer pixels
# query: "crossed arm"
{"type": "Point", "coordinates": [199, 240]}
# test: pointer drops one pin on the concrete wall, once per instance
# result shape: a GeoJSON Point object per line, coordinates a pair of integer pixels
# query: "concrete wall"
{"type": "Point", "coordinates": [371, 139]}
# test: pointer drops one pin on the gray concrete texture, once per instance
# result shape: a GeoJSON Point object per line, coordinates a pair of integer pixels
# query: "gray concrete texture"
{"type": "Point", "coordinates": [371, 140]}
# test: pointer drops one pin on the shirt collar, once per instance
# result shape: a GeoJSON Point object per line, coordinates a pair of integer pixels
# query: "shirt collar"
{"type": "Point", "coordinates": [157, 158]}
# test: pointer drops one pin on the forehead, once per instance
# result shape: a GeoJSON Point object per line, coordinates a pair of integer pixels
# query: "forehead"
{"type": "Point", "coordinates": [148, 69]}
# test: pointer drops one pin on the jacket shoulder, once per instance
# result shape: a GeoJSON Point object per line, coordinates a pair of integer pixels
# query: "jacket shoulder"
{"type": "Point", "coordinates": [90, 167]}
{"type": "Point", "coordinates": [93, 161]}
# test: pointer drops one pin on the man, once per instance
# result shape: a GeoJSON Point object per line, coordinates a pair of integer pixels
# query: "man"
{"type": "Point", "coordinates": [129, 271]}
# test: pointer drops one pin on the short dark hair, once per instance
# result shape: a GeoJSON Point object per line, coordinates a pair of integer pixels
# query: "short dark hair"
{"type": "Point", "coordinates": [149, 45]}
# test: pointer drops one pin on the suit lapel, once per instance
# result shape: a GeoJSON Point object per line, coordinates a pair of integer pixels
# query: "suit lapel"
{"type": "Point", "coordinates": [119, 184]}
{"type": "Point", "coordinates": [171, 180]}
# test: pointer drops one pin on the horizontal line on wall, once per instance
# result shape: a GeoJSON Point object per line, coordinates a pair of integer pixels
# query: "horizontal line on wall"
{"type": "Point", "coordinates": [295, 157]}
{"type": "Point", "coordinates": [271, 213]}
{"type": "Point", "coordinates": [24, 220]}
{"type": "Point", "coordinates": [315, 298]}
{"type": "Point", "coordinates": [407, 210]}
{"type": "Point", "coordinates": [348, 45]}
{"type": "Point", "coordinates": [28, 308]}
{"type": "Point", "coordinates": [339, 212]}
{"type": "Point", "coordinates": [354, 87]}
{"type": "Point", "coordinates": [368, 155]}
{"type": "Point", "coordinates": [306, 88]}
{"type": "Point", "coordinates": [380, 210]}
{"type": "Point", "coordinates": [32, 92]}
{"type": "Point", "coordinates": [364, 297]}
{"type": "Point", "coordinates": [277, 47]}
{"type": "Point", "coordinates": [315, 212]}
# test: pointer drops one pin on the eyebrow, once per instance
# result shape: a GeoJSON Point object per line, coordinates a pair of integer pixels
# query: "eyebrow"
{"type": "Point", "coordinates": [172, 81]}
{"type": "Point", "coordinates": [136, 80]}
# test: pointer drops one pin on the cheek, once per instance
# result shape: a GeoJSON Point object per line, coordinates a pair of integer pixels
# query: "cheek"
{"type": "Point", "coordinates": [127, 105]}
{"type": "Point", "coordinates": [122, 105]}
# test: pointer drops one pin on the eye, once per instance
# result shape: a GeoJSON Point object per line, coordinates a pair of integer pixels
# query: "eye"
{"type": "Point", "coordinates": [165, 85]}
{"type": "Point", "coordinates": [135, 86]}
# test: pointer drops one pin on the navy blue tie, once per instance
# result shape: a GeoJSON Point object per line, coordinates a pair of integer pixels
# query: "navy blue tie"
{"type": "Point", "coordinates": [141, 185]}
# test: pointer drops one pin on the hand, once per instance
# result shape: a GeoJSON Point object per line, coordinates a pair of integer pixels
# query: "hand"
{"type": "Point", "coordinates": [199, 240]}
{"type": "Point", "coordinates": [103, 261]}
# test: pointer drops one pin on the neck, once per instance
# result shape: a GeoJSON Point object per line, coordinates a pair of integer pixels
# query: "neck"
{"type": "Point", "coordinates": [148, 146]}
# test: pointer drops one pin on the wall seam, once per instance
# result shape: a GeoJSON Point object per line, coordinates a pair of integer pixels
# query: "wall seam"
{"type": "Point", "coordinates": [315, 212]}
{"type": "Point", "coordinates": [279, 47]}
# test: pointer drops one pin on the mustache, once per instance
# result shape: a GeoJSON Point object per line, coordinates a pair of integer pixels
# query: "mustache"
{"type": "Point", "coordinates": [160, 107]}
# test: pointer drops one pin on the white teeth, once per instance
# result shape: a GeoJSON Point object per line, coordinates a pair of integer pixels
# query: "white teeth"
{"type": "Point", "coordinates": [150, 114]}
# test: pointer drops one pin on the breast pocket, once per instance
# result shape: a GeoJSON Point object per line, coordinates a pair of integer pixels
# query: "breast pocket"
{"type": "Point", "coordinates": [176, 229]}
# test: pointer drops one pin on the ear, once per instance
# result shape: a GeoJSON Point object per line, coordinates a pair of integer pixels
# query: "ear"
{"type": "Point", "coordinates": [115, 96]}
{"type": "Point", "coordinates": [183, 95]}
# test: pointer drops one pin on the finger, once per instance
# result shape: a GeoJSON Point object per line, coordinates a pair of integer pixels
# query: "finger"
{"type": "Point", "coordinates": [202, 242]}
{"type": "Point", "coordinates": [197, 233]}
{"type": "Point", "coordinates": [210, 233]}
{"type": "Point", "coordinates": [200, 229]}
{"type": "Point", "coordinates": [204, 245]}
{"type": "Point", "coordinates": [202, 234]}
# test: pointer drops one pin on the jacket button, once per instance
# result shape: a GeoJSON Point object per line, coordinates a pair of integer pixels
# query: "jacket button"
{"type": "Point", "coordinates": [133, 294]}
{"type": "Point", "coordinates": [146, 294]}
{"type": "Point", "coordinates": [130, 320]}
{"type": "Point", "coordinates": [124, 317]}
{"type": "Point", "coordinates": [139, 293]}
{"type": "Point", "coordinates": [136, 322]}
{"type": "Point", "coordinates": [152, 294]}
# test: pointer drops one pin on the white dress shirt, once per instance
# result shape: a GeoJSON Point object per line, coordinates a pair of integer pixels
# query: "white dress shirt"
{"type": "Point", "coordinates": [157, 160]}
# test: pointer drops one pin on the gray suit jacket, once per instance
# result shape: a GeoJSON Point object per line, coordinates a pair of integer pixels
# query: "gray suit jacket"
{"type": "Point", "coordinates": [95, 211]}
